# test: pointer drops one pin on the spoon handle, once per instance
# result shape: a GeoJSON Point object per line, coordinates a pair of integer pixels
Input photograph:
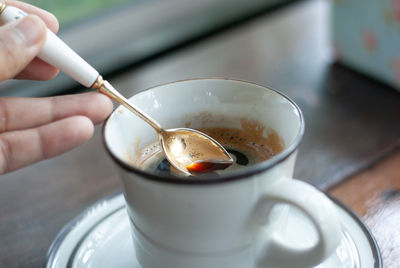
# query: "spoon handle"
{"type": "Point", "coordinates": [60, 55]}
{"type": "Point", "coordinates": [106, 88]}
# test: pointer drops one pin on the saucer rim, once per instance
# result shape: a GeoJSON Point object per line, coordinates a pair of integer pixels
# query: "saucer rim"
{"type": "Point", "coordinates": [69, 226]}
{"type": "Point", "coordinates": [376, 253]}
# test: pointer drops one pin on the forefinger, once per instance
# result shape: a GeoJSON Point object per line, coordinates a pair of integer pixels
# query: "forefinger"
{"type": "Point", "coordinates": [25, 147]}
{"type": "Point", "coordinates": [50, 20]}
{"type": "Point", "coordinates": [23, 113]}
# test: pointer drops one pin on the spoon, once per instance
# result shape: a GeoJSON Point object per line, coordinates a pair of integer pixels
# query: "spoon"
{"type": "Point", "coordinates": [188, 150]}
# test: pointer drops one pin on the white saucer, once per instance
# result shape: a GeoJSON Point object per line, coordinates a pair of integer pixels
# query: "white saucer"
{"type": "Point", "coordinates": [100, 237]}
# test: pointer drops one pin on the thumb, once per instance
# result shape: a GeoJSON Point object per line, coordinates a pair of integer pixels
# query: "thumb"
{"type": "Point", "coordinates": [20, 42]}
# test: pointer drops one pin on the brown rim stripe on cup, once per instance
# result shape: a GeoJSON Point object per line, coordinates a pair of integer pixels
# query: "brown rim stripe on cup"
{"type": "Point", "coordinates": [236, 175]}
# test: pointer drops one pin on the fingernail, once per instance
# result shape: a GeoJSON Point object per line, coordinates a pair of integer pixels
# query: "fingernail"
{"type": "Point", "coordinates": [30, 29]}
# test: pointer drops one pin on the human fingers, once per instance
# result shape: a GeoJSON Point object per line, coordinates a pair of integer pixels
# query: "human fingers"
{"type": "Point", "coordinates": [23, 113]}
{"type": "Point", "coordinates": [20, 42]}
{"type": "Point", "coordinates": [25, 147]}
{"type": "Point", "coordinates": [50, 20]}
{"type": "Point", "coordinates": [38, 70]}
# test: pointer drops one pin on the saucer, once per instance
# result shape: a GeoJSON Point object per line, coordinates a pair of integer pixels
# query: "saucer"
{"type": "Point", "coordinates": [100, 237]}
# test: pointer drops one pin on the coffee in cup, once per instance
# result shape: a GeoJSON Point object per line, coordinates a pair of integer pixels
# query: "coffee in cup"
{"type": "Point", "coordinates": [248, 145]}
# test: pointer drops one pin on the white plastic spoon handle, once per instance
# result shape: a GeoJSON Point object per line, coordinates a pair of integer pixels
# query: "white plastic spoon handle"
{"type": "Point", "coordinates": [56, 52]}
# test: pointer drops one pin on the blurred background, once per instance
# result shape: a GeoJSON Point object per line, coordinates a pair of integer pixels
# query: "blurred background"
{"type": "Point", "coordinates": [113, 35]}
{"type": "Point", "coordinates": [117, 35]}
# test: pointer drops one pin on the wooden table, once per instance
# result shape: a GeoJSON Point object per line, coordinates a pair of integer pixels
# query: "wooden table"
{"type": "Point", "coordinates": [352, 127]}
{"type": "Point", "coordinates": [374, 194]}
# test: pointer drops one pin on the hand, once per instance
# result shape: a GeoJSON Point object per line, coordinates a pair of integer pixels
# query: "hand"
{"type": "Point", "coordinates": [33, 129]}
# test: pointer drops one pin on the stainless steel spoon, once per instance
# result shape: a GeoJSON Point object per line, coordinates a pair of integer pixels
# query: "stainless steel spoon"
{"type": "Point", "coordinates": [188, 150]}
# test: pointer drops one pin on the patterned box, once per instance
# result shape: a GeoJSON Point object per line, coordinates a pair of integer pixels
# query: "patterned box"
{"type": "Point", "coordinates": [366, 36]}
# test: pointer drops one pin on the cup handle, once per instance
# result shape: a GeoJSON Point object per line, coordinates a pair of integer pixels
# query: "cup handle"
{"type": "Point", "coordinates": [317, 207]}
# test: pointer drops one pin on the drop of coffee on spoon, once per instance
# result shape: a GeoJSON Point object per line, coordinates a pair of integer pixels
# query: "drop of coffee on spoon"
{"type": "Point", "coordinates": [202, 166]}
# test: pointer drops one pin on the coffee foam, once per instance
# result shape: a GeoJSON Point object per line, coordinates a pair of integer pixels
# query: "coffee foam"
{"type": "Point", "coordinates": [253, 138]}
{"type": "Point", "coordinates": [149, 155]}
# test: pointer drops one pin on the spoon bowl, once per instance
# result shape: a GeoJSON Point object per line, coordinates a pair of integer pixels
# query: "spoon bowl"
{"type": "Point", "coordinates": [186, 148]}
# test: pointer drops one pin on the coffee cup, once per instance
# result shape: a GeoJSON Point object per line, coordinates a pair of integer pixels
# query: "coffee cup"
{"type": "Point", "coordinates": [235, 218]}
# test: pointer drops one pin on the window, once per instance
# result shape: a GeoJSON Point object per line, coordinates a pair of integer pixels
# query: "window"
{"type": "Point", "coordinates": [70, 11]}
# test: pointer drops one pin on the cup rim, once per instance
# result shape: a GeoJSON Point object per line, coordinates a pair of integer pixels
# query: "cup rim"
{"type": "Point", "coordinates": [235, 175]}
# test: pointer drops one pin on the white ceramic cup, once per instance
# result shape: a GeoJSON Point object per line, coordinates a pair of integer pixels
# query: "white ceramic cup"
{"type": "Point", "coordinates": [235, 220]}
